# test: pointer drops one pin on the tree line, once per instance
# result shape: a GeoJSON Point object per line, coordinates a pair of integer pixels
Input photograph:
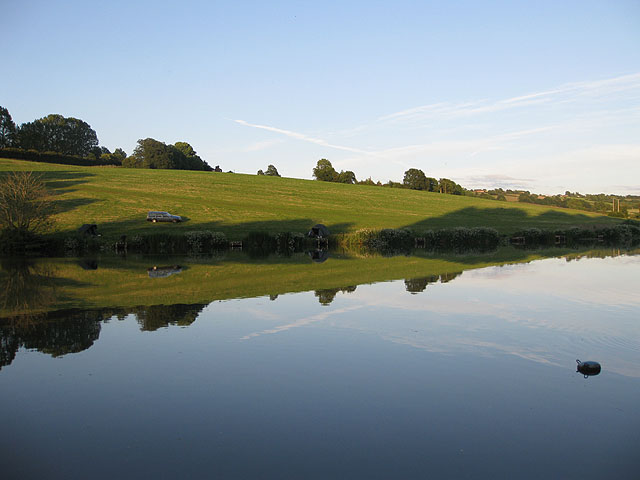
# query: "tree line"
{"type": "Point", "coordinates": [414, 179]}
{"type": "Point", "coordinates": [66, 138]}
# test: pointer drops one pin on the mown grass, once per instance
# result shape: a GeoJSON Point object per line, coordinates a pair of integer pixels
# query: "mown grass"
{"type": "Point", "coordinates": [117, 199]}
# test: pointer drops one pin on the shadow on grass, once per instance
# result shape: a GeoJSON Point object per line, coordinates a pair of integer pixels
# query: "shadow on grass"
{"type": "Point", "coordinates": [509, 220]}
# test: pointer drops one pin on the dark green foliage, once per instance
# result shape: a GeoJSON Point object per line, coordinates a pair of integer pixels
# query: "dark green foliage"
{"type": "Point", "coordinates": [287, 242]}
{"type": "Point", "coordinates": [7, 129]}
{"type": "Point", "coordinates": [205, 240]}
{"type": "Point", "coordinates": [347, 177]}
{"type": "Point", "coordinates": [415, 179]}
{"type": "Point", "coordinates": [151, 153]}
{"type": "Point", "coordinates": [260, 172]}
{"type": "Point", "coordinates": [461, 238]}
{"type": "Point", "coordinates": [55, 133]}
{"type": "Point", "coordinates": [52, 157]}
{"type": "Point", "coordinates": [272, 171]}
{"type": "Point", "coordinates": [451, 188]}
{"type": "Point", "coordinates": [398, 240]}
{"type": "Point", "coordinates": [259, 244]}
{"type": "Point", "coordinates": [324, 171]}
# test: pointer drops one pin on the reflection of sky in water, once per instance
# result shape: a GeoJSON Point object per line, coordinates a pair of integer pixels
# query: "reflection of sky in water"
{"type": "Point", "coordinates": [550, 311]}
{"type": "Point", "coordinates": [474, 378]}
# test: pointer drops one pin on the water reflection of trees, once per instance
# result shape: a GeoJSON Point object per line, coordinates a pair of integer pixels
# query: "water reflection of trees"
{"type": "Point", "coordinates": [327, 295]}
{"type": "Point", "coordinates": [417, 285]}
{"type": "Point", "coordinates": [63, 332]}
{"type": "Point", "coordinates": [161, 316]}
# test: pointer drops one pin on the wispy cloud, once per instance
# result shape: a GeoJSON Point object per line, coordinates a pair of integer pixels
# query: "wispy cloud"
{"type": "Point", "coordinates": [303, 137]}
{"type": "Point", "coordinates": [569, 92]}
{"type": "Point", "coordinates": [301, 322]}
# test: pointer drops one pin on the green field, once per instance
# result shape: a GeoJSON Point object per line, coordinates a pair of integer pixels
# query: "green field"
{"type": "Point", "coordinates": [117, 200]}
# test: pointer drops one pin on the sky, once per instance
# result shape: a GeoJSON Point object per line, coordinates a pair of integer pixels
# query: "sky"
{"type": "Point", "coordinates": [542, 96]}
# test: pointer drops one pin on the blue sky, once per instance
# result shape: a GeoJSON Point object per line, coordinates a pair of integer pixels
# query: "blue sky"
{"type": "Point", "coordinates": [537, 95]}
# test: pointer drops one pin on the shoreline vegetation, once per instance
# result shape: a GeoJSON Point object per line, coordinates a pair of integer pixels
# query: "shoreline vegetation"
{"type": "Point", "coordinates": [273, 214]}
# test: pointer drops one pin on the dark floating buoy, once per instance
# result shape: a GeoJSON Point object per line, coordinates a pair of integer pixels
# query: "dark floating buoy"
{"type": "Point", "coordinates": [588, 369]}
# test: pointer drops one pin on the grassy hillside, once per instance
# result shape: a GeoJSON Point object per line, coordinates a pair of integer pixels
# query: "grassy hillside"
{"type": "Point", "coordinates": [117, 199]}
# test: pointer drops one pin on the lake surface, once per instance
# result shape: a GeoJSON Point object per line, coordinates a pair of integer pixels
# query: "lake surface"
{"type": "Point", "coordinates": [463, 368]}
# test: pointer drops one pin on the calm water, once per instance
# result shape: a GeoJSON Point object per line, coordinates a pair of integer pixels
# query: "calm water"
{"type": "Point", "coordinates": [465, 375]}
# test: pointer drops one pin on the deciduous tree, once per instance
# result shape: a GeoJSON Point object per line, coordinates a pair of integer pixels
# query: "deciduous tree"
{"type": "Point", "coordinates": [324, 171]}
{"type": "Point", "coordinates": [55, 133]}
{"type": "Point", "coordinates": [415, 179]}
{"type": "Point", "coordinates": [25, 204]}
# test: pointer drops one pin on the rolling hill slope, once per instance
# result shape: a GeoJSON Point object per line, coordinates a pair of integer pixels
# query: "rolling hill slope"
{"type": "Point", "coordinates": [117, 199]}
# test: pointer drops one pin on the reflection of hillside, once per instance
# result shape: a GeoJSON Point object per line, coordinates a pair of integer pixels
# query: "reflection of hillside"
{"type": "Point", "coordinates": [125, 283]}
{"type": "Point", "coordinates": [63, 332]}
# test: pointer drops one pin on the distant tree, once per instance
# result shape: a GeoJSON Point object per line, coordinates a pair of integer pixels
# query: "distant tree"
{"type": "Point", "coordinates": [120, 153]}
{"type": "Point", "coordinates": [347, 177]}
{"type": "Point", "coordinates": [96, 152]}
{"type": "Point", "coordinates": [55, 133]}
{"type": "Point", "coordinates": [432, 184]}
{"type": "Point", "coordinates": [367, 181]}
{"type": "Point", "coordinates": [7, 129]}
{"type": "Point", "coordinates": [25, 204]}
{"type": "Point", "coordinates": [324, 171]}
{"type": "Point", "coordinates": [260, 172]}
{"type": "Point", "coordinates": [450, 187]}
{"type": "Point", "coordinates": [272, 171]}
{"type": "Point", "coordinates": [415, 179]}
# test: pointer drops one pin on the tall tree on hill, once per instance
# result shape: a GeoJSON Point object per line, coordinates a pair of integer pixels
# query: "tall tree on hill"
{"type": "Point", "coordinates": [415, 179]}
{"type": "Point", "coordinates": [7, 129]}
{"type": "Point", "coordinates": [324, 171]}
{"type": "Point", "coordinates": [55, 133]}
